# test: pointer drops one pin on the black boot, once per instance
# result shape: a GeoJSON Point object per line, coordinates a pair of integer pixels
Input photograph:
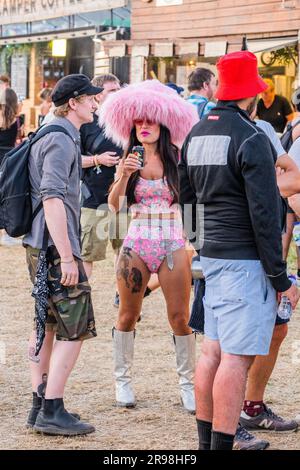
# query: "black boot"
{"type": "Point", "coordinates": [36, 406]}
{"type": "Point", "coordinates": [54, 419]}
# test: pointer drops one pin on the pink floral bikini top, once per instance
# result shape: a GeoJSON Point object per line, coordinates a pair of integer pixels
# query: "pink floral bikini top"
{"type": "Point", "coordinates": [153, 196]}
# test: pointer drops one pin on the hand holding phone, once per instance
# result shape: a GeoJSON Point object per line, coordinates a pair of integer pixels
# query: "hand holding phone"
{"type": "Point", "coordinates": [139, 151]}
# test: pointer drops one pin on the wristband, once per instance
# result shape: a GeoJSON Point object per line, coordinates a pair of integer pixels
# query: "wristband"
{"type": "Point", "coordinates": [67, 262]}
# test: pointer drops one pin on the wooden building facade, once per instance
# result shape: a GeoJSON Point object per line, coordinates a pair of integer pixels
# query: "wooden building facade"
{"type": "Point", "coordinates": [171, 37]}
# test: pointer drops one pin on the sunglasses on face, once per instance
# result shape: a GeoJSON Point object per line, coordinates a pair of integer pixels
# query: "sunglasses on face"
{"type": "Point", "coordinates": [140, 122]}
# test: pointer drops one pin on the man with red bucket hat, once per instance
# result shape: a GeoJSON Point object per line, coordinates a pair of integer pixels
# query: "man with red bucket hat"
{"type": "Point", "coordinates": [227, 166]}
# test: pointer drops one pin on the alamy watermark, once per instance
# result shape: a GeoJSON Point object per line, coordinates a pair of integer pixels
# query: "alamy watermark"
{"type": "Point", "coordinates": [155, 223]}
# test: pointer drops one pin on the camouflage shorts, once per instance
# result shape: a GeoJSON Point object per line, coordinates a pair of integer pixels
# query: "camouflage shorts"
{"type": "Point", "coordinates": [70, 312]}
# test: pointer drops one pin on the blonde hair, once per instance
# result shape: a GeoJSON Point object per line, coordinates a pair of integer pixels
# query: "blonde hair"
{"type": "Point", "coordinates": [64, 109]}
{"type": "Point", "coordinates": [99, 80]}
{"type": "Point", "coordinates": [270, 83]}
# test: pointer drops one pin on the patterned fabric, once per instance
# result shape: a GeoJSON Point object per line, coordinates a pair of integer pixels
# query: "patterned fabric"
{"type": "Point", "coordinates": [70, 309]}
{"type": "Point", "coordinates": [198, 99]}
{"type": "Point", "coordinates": [155, 238]}
{"type": "Point", "coordinates": [40, 293]}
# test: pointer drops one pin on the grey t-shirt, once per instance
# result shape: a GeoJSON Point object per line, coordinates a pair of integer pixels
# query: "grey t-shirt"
{"type": "Point", "coordinates": [269, 130]}
{"type": "Point", "coordinates": [55, 171]}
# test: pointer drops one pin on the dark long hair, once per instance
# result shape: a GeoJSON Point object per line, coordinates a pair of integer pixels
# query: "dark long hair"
{"type": "Point", "coordinates": [8, 107]}
{"type": "Point", "coordinates": [168, 153]}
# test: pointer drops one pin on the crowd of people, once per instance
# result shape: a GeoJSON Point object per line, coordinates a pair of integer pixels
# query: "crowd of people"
{"type": "Point", "coordinates": [167, 181]}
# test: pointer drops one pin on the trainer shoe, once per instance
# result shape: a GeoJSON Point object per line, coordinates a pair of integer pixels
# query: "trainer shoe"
{"type": "Point", "coordinates": [267, 421]}
{"type": "Point", "coordinates": [245, 441]}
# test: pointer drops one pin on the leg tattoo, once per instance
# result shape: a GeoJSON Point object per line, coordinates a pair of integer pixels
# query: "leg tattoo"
{"type": "Point", "coordinates": [133, 277]}
{"type": "Point", "coordinates": [123, 270]}
{"type": "Point", "coordinates": [42, 387]}
{"type": "Point", "coordinates": [136, 279]}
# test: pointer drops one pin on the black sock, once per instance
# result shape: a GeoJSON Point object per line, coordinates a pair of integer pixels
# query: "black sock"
{"type": "Point", "coordinates": [147, 292]}
{"type": "Point", "coordinates": [204, 434]}
{"type": "Point", "coordinates": [221, 441]}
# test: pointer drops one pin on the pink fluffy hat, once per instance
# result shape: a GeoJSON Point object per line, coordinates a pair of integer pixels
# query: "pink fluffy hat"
{"type": "Point", "coordinates": [149, 100]}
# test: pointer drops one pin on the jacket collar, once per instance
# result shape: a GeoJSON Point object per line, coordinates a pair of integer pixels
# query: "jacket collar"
{"type": "Point", "coordinates": [231, 106]}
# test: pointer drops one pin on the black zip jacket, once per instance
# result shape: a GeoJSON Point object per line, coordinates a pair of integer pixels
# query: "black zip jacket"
{"type": "Point", "coordinates": [227, 172]}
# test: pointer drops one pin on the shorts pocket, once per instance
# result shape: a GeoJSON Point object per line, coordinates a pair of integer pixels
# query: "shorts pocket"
{"type": "Point", "coordinates": [74, 316]}
{"type": "Point", "coordinates": [233, 285]}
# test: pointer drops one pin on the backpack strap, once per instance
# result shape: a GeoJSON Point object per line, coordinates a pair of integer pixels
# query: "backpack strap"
{"type": "Point", "coordinates": [201, 108]}
{"type": "Point", "coordinates": [47, 129]}
{"type": "Point", "coordinates": [44, 130]}
{"type": "Point", "coordinates": [292, 128]}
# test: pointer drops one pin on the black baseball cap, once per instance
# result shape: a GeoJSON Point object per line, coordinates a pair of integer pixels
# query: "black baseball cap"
{"type": "Point", "coordinates": [72, 86]}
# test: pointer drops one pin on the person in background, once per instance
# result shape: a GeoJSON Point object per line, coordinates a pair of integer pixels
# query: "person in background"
{"type": "Point", "coordinates": [99, 159]}
{"type": "Point", "coordinates": [4, 82]}
{"type": "Point", "coordinates": [273, 108]}
{"type": "Point", "coordinates": [8, 136]}
{"type": "Point", "coordinates": [45, 97]}
{"type": "Point", "coordinates": [8, 120]}
{"type": "Point", "coordinates": [202, 86]}
{"type": "Point", "coordinates": [178, 89]}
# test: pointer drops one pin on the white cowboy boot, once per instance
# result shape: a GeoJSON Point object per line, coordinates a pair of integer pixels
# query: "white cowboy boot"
{"type": "Point", "coordinates": [185, 348]}
{"type": "Point", "coordinates": [123, 342]}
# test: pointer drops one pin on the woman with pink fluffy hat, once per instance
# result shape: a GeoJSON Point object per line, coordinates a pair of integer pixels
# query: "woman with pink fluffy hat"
{"type": "Point", "coordinates": [151, 115]}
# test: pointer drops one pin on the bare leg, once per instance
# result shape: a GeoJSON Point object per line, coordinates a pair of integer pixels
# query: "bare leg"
{"type": "Point", "coordinates": [116, 257]}
{"type": "Point", "coordinates": [176, 287]}
{"type": "Point", "coordinates": [132, 279]}
{"type": "Point", "coordinates": [153, 283]}
{"type": "Point", "coordinates": [88, 267]}
{"type": "Point", "coordinates": [63, 359]}
{"type": "Point", "coordinates": [38, 369]}
{"type": "Point", "coordinates": [298, 256]}
{"type": "Point", "coordinates": [229, 392]}
{"type": "Point", "coordinates": [263, 366]}
{"type": "Point", "coordinates": [204, 378]}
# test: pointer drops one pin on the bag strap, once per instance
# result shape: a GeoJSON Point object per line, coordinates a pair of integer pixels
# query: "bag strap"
{"type": "Point", "coordinates": [293, 127]}
{"type": "Point", "coordinates": [47, 129]}
{"type": "Point", "coordinates": [201, 107]}
{"type": "Point", "coordinates": [99, 139]}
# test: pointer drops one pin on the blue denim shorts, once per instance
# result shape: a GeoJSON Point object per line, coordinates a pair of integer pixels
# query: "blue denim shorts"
{"type": "Point", "coordinates": [240, 306]}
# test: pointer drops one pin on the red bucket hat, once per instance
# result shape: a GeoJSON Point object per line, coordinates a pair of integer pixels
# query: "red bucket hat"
{"type": "Point", "coordinates": [238, 76]}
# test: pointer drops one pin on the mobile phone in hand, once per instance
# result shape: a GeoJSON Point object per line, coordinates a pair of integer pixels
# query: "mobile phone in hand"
{"type": "Point", "coordinates": [139, 151]}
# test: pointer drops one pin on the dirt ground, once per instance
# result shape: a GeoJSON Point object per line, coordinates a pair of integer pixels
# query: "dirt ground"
{"type": "Point", "coordinates": [158, 422]}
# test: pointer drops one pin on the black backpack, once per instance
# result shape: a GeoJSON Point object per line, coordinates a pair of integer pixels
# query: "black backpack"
{"type": "Point", "coordinates": [16, 214]}
{"type": "Point", "coordinates": [287, 138]}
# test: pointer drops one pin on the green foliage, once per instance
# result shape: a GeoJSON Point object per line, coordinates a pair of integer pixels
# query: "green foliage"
{"type": "Point", "coordinates": [283, 56]}
{"type": "Point", "coordinates": [10, 49]}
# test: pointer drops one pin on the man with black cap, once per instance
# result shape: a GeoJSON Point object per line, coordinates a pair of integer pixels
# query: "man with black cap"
{"type": "Point", "coordinates": [228, 168]}
{"type": "Point", "coordinates": [54, 258]}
